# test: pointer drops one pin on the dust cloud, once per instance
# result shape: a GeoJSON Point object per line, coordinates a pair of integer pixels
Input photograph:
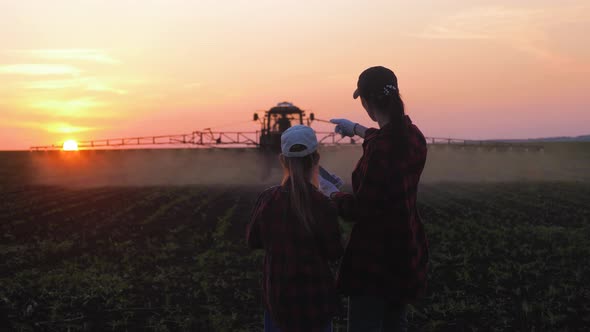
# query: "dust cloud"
{"type": "Point", "coordinates": [558, 162]}
{"type": "Point", "coordinates": [149, 167]}
{"type": "Point", "coordinates": [448, 163]}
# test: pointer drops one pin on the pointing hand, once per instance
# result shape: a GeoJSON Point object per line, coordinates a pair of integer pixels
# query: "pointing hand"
{"type": "Point", "coordinates": [344, 127]}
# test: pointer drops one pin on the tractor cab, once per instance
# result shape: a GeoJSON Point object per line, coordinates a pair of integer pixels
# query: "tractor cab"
{"type": "Point", "coordinates": [276, 121]}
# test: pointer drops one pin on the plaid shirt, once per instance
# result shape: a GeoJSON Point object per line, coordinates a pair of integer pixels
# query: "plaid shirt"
{"type": "Point", "coordinates": [387, 252]}
{"type": "Point", "coordinates": [298, 286]}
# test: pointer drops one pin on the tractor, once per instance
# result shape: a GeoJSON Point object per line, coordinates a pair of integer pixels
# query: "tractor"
{"type": "Point", "coordinates": [278, 119]}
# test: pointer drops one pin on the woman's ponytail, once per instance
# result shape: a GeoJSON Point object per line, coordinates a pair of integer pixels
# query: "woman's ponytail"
{"type": "Point", "coordinates": [392, 103]}
{"type": "Point", "coordinates": [398, 116]}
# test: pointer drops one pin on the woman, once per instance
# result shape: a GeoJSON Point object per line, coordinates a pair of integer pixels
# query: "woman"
{"type": "Point", "coordinates": [298, 228]}
{"type": "Point", "coordinates": [385, 262]}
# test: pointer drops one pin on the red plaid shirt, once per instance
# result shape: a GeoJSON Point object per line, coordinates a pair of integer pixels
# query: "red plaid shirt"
{"type": "Point", "coordinates": [387, 253]}
{"type": "Point", "coordinates": [298, 286]}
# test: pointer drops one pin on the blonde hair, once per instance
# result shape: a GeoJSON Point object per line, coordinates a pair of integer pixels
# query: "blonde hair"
{"type": "Point", "coordinates": [300, 175]}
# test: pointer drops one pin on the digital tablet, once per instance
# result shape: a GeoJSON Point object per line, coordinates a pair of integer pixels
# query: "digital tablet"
{"type": "Point", "coordinates": [328, 176]}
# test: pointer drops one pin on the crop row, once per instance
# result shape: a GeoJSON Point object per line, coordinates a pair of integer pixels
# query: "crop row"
{"type": "Point", "coordinates": [503, 257]}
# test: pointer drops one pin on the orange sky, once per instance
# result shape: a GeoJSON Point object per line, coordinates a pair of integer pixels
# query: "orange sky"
{"type": "Point", "coordinates": [466, 69]}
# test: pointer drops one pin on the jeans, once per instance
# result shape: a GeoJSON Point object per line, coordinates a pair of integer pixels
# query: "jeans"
{"type": "Point", "coordinates": [374, 314]}
{"type": "Point", "coordinates": [269, 326]}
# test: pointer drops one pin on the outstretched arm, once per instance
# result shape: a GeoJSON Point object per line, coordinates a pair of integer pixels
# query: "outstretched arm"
{"type": "Point", "coordinates": [360, 130]}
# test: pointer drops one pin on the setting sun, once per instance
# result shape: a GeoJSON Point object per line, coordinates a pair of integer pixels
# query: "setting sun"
{"type": "Point", "coordinates": [503, 69]}
{"type": "Point", "coordinates": [70, 145]}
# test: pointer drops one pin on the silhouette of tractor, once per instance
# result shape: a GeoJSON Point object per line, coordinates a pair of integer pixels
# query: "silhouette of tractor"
{"type": "Point", "coordinates": [278, 119]}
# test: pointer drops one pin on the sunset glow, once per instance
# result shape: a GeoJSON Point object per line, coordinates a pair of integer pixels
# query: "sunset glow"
{"type": "Point", "coordinates": [70, 145]}
{"type": "Point", "coordinates": [466, 69]}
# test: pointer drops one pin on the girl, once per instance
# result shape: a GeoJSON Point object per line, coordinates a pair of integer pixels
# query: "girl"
{"type": "Point", "coordinates": [297, 227]}
{"type": "Point", "coordinates": [385, 262]}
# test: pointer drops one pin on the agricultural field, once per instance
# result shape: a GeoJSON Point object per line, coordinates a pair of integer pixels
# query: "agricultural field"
{"type": "Point", "coordinates": [505, 255]}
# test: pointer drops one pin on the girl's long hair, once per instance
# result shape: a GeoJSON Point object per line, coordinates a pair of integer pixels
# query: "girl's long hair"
{"type": "Point", "coordinates": [300, 169]}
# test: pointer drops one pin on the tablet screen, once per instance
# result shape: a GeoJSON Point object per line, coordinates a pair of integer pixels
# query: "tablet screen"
{"type": "Point", "coordinates": [326, 175]}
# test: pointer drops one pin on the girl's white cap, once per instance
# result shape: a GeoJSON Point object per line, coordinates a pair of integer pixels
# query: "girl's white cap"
{"type": "Point", "coordinates": [298, 134]}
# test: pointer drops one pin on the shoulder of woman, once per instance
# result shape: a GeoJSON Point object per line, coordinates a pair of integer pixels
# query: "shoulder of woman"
{"type": "Point", "coordinates": [269, 193]}
{"type": "Point", "coordinates": [371, 133]}
{"type": "Point", "coordinates": [419, 136]}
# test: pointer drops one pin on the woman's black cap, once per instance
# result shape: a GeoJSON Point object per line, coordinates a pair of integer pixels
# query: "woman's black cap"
{"type": "Point", "coordinates": [375, 81]}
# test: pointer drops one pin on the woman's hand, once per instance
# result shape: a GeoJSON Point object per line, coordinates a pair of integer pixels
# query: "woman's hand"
{"type": "Point", "coordinates": [344, 127]}
{"type": "Point", "coordinates": [348, 128]}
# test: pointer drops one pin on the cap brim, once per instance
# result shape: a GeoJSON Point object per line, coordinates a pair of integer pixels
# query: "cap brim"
{"type": "Point", "coordinates": [356, 94]}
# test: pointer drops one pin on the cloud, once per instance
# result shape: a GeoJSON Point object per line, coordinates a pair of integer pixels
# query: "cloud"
{"type": "Point", "coordinates": [39, 69]}
{"type": "Point", "coordinates": [102, 87]}
{"type": "Point", "coordinates": [87, 84]}
{"type": "Point", "coordinates": [193, 85]}
{"type": "Point", "coordinates": [482, 23]}
{"type": "Point", "coordinates": [73, 108]}
{"type": "Point", "coordinates": [91, 55]}
{"type": "Point", "coordinates": [524, 29]}
{"type": "Point", "coordinates": [66, 128]}
{"type": "Point", "coordinates": [53, 127]}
